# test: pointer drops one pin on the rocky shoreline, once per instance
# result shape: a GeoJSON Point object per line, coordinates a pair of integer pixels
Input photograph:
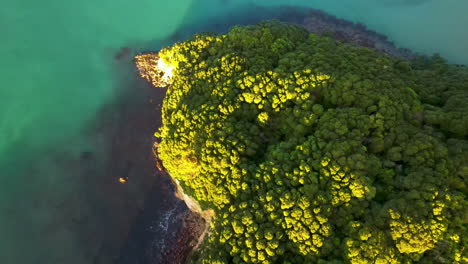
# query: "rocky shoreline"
{"type": "Point", "coordinates": [166, 230]}
{"type": "Point", "coordinates": [323, 24]}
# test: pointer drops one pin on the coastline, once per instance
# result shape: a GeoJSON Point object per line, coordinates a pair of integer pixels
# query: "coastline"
{"type": "Point", "coordinates": [182, 223]}
{"type": "Point", "coordinates": [166, 230]}
{"type": "Point", "coordinates": [195, 208]}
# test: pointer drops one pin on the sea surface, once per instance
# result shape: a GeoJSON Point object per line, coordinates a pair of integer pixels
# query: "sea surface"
{"type": "Point", "coordinates": [59, 69]}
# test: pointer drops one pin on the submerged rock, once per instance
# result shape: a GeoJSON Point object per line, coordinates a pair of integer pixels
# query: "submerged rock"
{"type": "Point", "coordinates": [323, 24]}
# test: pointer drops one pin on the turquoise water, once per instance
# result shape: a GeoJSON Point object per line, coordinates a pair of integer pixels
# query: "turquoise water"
{"type": "Point", "coordinates": [58, 70]}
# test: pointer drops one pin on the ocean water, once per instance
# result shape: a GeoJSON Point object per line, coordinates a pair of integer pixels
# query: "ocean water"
{"type": "Point", "coordinates": [58, 70]}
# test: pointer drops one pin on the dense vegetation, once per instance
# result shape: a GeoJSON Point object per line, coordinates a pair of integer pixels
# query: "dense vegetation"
{"type": "Point", "coordinates": [314, 151]}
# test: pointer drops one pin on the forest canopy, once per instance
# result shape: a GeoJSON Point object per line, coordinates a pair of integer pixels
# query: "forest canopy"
{"type": "Point", "coordinates": [314, 151]}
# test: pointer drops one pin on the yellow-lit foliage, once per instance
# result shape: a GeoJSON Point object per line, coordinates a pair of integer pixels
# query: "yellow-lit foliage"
{"type": "Point", "coordinates": [313, 151]}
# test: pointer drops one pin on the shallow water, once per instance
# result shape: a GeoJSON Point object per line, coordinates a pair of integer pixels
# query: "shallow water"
{"type": "Point", "coordinates": [58, 70]}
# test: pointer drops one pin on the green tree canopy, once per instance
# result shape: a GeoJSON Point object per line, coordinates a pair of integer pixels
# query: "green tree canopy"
{"type": "Point", "coordinates": [314, 151]}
